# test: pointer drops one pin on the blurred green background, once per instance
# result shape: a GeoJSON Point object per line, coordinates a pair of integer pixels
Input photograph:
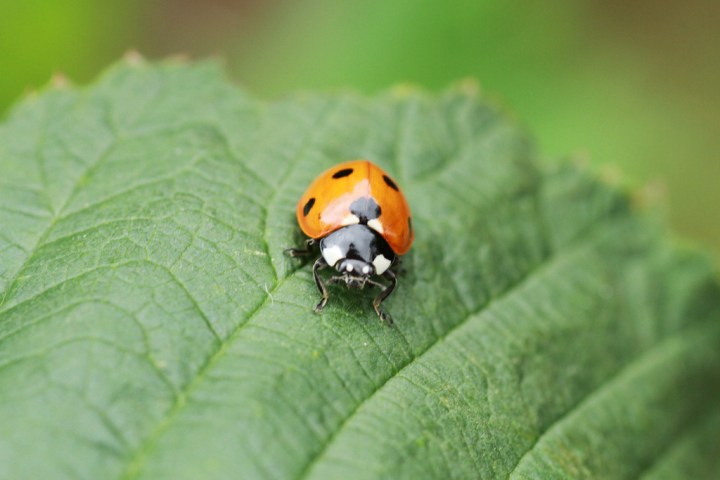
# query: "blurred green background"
{"type": "Point", "coordinates": [633, 86]}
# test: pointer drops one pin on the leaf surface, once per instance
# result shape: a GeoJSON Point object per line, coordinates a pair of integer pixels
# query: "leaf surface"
{"type": "Point", "coordinates": [151, 327]}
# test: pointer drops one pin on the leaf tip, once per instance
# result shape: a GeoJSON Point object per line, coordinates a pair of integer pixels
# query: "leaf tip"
{"type": "Point", "coordinates": [59, 81]}
{"type": "Point", "coordinates": [581, 160]}
{"type": "Point", "coordinates": [650, 195]}
{"type": "Point", "coordinates": [469, 86]}
{"type": "Point", "coordinates": [611, 175]}
{"type": "Point", "coordinates": [179, 58]}
{"type": "Point", "coordinates": [133, 58]}
{"type": "Point", "coordinates": [405, 90]}
{"type": "Point", "coordinates": [31, 93]}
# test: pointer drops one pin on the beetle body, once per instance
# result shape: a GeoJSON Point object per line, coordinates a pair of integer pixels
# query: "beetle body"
{"type": "Point", "coordinates": [362, 222]}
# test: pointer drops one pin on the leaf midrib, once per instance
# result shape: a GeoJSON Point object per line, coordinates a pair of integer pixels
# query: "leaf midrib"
{"type": "Point", "coordinates": [136, 462]}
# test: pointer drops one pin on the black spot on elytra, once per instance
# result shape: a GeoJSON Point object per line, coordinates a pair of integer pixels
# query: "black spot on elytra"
{"type": "Point", "coordinates": [308, 206]}
{"type": "Point", "coordinates": [390, 183]}
{"type": "Point", "coordinates": [342, 173]}
{"type": "Point", "coordinates": [366, 209]}
{"type": "Point", "coordinates": [410, 223]}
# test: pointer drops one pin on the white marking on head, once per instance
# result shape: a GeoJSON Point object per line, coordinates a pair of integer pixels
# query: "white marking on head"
{"type": "Point", "coordinates": [350, 220]}
{"type": "Point", "coordinates": [376, 225]}
{"type": "Point", "coordinates": [332, 255]}
{"type": "Point", "coordinates": [349, 267]}
{"type": "Point", "coordinates": [381, 264]}
{"type": "Point", "coordinates": [366, 269]}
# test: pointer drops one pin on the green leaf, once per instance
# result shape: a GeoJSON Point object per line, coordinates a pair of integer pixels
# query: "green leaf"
{"type": "Point", "coordinates": [151, 327]}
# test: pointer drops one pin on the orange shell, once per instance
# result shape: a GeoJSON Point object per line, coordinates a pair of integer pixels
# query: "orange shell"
{"type": "Point", "coordinates": [325, 206]}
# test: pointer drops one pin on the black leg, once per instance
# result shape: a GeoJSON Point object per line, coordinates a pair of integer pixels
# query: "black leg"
{"type": "Point", "coordinates": [373, 283]}
{"type": "Point", "coordinates": [384, 316]}
{"type": "Point", "coordinates": [302, 252]}
{"type": "Point", "coordinates": [320, 263]}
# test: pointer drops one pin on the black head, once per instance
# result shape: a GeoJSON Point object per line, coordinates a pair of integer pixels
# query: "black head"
{"type": "Point", "coordinates": [355, 268]}
{"type": "Point", "coordinates": [355, 273]}
{"type": "Point", "coordinates": [357, 252]}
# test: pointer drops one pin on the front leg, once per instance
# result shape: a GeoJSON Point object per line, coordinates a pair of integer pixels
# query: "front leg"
{"type": "Point", "coordinates": [384, 316]}
{"type": "Point", "coordinates": [302, 252]}
{"type": "Point", "coordinates": [320, 263]}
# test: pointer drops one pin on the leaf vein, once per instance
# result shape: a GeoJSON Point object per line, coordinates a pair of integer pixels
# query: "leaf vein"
{"type": "Point", "coordinates": [609, 383]}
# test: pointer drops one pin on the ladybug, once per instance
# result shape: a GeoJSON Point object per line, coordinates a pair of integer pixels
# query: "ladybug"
{"type": "Point", "coordinates": [361, 221]}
